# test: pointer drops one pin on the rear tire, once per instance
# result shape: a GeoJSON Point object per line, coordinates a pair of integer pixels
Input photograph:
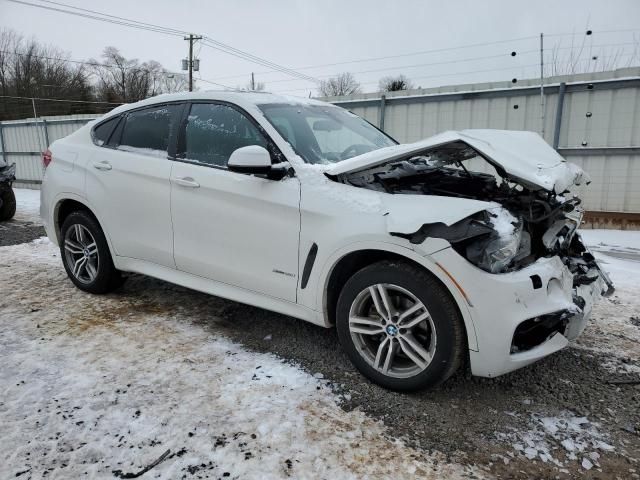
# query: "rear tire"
{"type": "Point", "coordinates": [85, 254]}
{"type": "Point", "coordinates": [7, 202]}
{"type": "Point", "coordinates": [400, 326]}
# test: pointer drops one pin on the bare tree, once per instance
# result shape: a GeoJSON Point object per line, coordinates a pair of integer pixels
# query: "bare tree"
{"type": "Point", "coordinates": [583, 58]}
{"type": "Point", "coordinates": [119, 79]}
{"type": "Point", "coordinates": [395, 83]}
{"type": "Point", "coordinates": [173, 82]}
{"type": "Point", "coordinates": [31, 70]}
{"type": "Point", "coordinates": [343, 84]}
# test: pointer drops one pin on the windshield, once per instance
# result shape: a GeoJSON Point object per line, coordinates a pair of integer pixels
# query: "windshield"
{"type": "Point", "coordinates": [324, 134]}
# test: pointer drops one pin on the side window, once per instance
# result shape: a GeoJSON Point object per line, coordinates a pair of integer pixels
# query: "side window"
{"type": "Point", "coordinates": [149, 130]}
{"type": "Point", "coordinates": [213, 132]}
{"type": "Point", "coordinates": [103, 131]}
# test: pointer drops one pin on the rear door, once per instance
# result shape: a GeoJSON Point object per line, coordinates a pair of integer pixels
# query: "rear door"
{"type": "Point", "coordinates": [232, 227]}
{"type": "Point", "coordinates": [127, 182]}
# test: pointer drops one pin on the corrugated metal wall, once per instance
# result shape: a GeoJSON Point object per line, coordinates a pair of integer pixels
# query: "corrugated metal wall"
{"type": "Point", "coordinates": [599, 128]}
{"type": "Point", "coordinates": [24, 140]}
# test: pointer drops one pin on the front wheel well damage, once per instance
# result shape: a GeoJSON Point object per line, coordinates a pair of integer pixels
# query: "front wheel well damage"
{"type": "Point", "coordinates": [355, 261]}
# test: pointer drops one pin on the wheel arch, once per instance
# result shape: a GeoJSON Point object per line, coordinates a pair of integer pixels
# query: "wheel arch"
{"type": "Point", "coordinates": [343, 264]}
{"type": "Point", "coordinates": [68, 204]}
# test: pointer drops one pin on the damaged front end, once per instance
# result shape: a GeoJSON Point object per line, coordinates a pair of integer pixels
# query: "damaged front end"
{"type": "Point", "coordinates": [520, 222]}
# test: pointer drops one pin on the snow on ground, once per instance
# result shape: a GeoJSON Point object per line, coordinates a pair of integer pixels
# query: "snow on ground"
{"type": "Point", "coordinates": [107, 384]}
{"type": "Point", "coordinates": [615, 325]}
{"type": "Point", "coordinates": [28, 205]}
{"type": "Point", "coordinates": [101, 386]}
{"type": "Point", "coordinates": [560, 439]}
{"type": "Point", "coordinates": [614, 333]}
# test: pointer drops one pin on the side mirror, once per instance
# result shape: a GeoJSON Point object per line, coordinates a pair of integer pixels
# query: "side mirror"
{"type": "Point", "coordinates": [256, 160]}
{"type": "Point", "coordinates": [251, 159]}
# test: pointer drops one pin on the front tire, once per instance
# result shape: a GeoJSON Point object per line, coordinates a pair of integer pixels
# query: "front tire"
{"type": "Point", "coordinates": [7, 203]}
{"type": "Point", "coordinates": [400, 327]}
{"type": "Point", "coordinates": [85, 254]}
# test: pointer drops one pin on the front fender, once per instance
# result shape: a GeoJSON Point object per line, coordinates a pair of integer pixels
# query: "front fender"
{"type": "Point", "coordinates": [407, 252]}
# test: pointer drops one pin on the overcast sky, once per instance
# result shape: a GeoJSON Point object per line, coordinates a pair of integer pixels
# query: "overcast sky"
{"type": "Point", "coordinates": [301, 33]}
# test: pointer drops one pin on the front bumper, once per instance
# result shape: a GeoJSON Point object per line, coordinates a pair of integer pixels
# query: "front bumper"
{"type": "Point", "coordinates": [499, 303]}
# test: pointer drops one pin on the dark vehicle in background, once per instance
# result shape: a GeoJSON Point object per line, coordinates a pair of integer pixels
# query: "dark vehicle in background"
{"type": "Point", "coordinates": [7, 197]}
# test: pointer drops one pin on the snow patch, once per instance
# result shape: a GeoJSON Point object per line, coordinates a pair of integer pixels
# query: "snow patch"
{"type": "Point", "coordinates": [27, 205]}
{"type": "Point", "coordinates": [359, 199]}
{"type": "Point", "coordinates": [559, 439]}
{"type": "Point", "coordinates": [503, 222]}
{"type": "Point", "coordinates": [95, 384]}
{"type": "Point", "coordinates": [613, 330]}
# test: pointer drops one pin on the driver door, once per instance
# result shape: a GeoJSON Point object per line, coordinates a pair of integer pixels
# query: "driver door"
{"type": "Point", "coordinates": [231, 227]}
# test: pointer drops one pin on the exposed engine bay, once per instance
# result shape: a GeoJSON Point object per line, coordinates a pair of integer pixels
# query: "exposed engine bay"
{"type": "Point", "coordinates": [527, 222]}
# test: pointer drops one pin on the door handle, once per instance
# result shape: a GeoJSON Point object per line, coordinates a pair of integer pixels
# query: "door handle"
{"type": "Point", "coordinates": [186, 182]}
{"type": "Point", "coordinates": [102, 165]}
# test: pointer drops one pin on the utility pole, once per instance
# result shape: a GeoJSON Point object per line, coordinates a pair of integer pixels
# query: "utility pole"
{"type": "Point", "coordinates": [253, 82]}
{"type": "Point", "coordinates": [191, 38]}
{"type": "Point", "coordinates": [542, 84]}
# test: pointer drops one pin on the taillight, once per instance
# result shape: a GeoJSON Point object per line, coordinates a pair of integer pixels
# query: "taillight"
{"type": "Point", "coordinates": [46, 158]}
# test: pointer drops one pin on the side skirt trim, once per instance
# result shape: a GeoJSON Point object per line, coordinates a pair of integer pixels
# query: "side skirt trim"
{"type": "Point", "coordinates": [224, 290]}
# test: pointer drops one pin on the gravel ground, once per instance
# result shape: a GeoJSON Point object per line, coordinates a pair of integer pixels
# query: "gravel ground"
{"type": "Point", "coordinates": [466, 414]}
{"type": "Point", "coordinates": [15, 232]}
{"type": "Point", "coordinates": [473, 420]}
{"type": "Point", "coordinates": [26, 225]}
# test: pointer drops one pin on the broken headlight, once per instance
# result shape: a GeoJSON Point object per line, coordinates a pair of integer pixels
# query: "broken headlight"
{"type": "Point", "coordinates": [506, 242]}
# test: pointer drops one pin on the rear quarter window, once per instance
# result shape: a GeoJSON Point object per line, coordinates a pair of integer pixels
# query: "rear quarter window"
{"type": "Point", "coordinates": [103, 131]}
{"type": "Point", "coordinates": [149, 130]}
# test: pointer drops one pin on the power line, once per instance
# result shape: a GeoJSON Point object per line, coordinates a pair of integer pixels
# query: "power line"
{"type": "Point", "coordinates": [60, 100]}
{"type": "Point", "coordinates": [448, 62]}
{"type": "Point", "coordinates": [177, 32]}
{"type": "Point", "coordinates": [424, 52]}
{"type": "Point", "coordinates": [132, 24]}
{"type": "Point", "coordinates": [371, 59]}
{"type": "Point", "coordinates": [225, 48]}
{"type": "Point", "coordinates": [214, 83]}
{"type": "Point", "coordinates": [445, 62]}
{"type": "Point", "coordinates": [216, 44]}
{"type": "Point", "coordinates": [211, 43]}
{"type": "Point", "coordinates": [624, 30]}
{"type": "Point", "coordinates": [471, 72]}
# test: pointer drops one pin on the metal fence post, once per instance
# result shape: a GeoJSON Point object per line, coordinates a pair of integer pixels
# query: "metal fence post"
{"type": "Point", "coordinates": [46, 133]}
{"type": "Point", "coordinates": [383, 104]}
{"type": "Point", "coordinates": [558, 122]}
{"type": "Point", "coordinates": [4, 156]}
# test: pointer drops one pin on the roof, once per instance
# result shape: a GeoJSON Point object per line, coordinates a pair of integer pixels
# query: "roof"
{"type": "Point", "coordinates": [244, 99]}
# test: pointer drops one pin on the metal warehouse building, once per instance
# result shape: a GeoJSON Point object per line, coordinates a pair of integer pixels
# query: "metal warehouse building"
{"type": "Point", "coordinates": [592, 120]}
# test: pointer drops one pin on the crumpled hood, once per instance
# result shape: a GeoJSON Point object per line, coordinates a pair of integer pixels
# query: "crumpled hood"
{"type": "Point", "coordinates": [523, 156]}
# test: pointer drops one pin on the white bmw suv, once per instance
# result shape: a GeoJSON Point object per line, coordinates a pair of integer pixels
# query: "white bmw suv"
{"type": "Point", "coordinates": [424, 256]}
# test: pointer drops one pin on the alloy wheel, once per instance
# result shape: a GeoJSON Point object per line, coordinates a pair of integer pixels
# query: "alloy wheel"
{"type": "Point", "coordinates": [81, 253]}
{"type": "Point", "coordinates": [392, 330]}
